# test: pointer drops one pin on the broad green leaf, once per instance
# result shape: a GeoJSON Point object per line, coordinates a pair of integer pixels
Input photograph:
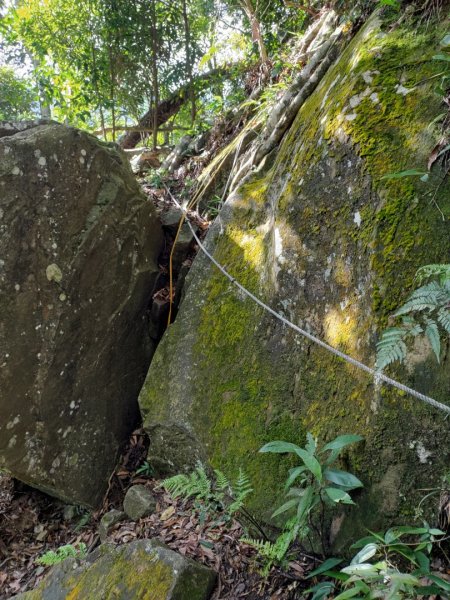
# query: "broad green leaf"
{"type": "Point", "coordinates": [366, 540]}
{"type": "Point", "coordinates": [311, 445]}
{"type": "Point", "coordinates": [404, 578]}
{"type": "Point", "coordinates": [422, 560]}
{"type": "Point", "coordinates": [285, 507]}
{"type": "Point", "coordinates": [351, 593]}
{"type": "Point", "coordinates": [279, 447]}
{"type": "Point", "coordinates": [403, 550]}
{"type": "Point", "coordinates": [325, 566]}
{"type": "Point", "coordinates": [436, 532]}
{"type": "Point", "coordinates": [408, 173]}
{"type": "Point", "coordinates": [402, 530]}
{"type": "Point", "coordinates": [341, 441]}
{"type": "Point", "coordinates": [297, 492]}
{"type": "Point", "coordinates": [338, 495]}
{"type": "Point", "coordinates": [321, 591]}
{"type": "Point", "coordinates": [342, 478]}
{"type": "Point", "coordinates": [305, 504]}
{"type": "Point", "coordinates": [293, 474]}
{"type": "Point", "coordinates": [361, 569]}
{"type": "Point", "coordinates": [445, 40]}
{"type": "Point", "coordinates": [445, 585]}
{"type": "Point", "coordinates": [311, 462]}
{"type": "Point", "coordinates": [363, 555]}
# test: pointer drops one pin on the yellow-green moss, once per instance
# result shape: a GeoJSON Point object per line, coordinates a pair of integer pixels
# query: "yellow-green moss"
{"type": "Point", "coordinates": [149, 579]}
{"type": "Point", "coordinates": [252, 379]}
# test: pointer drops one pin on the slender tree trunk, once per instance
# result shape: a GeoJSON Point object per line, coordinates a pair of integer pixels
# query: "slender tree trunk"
{"type": "Point", "coordinates": [155, 82]}
{"type": "Point", "coordinates": [187, 43]}
{"type": "Point", "coordinates": [112, 90]}
{"type": "Point", "coordinates": [44, 106]}
{"type": "Point", "coordinates": [255, 25]}
{"type": "Point", "coordinates": [97, 91]}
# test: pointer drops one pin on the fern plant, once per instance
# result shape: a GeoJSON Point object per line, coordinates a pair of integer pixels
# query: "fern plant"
{"type": "Point", "coordinates": [277, 552]}
{"type": "Point", "coordinates": [221, 496]}
{"type": "Point", "coordinates": [53, 557]}
{"type": "Point", "coordinates": [426, 312]}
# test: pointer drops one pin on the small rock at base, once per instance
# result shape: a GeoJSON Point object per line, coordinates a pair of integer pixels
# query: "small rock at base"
{"type": "Point", "coordinates": [139, 502]}
{"type": "Point", "coordinates": [70, 512]}
{"type": "Point", "coordinates": [108, 520]}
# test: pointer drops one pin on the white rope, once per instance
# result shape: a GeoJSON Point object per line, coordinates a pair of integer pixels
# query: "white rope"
{"type": "Point", "coordinates": [378, 377]}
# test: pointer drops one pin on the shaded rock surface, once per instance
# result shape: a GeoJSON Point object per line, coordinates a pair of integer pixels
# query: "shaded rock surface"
{"type": "Point", "coordinates": [139, 502]}
{"type": "Point", "coordinates": [323, 239]}
{"type": "Point", "coordinates": [141, 570]}
{"type": "Point", "coordinates": [78, 264]}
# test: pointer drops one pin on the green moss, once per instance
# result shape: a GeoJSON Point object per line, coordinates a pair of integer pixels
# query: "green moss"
{"type": "Point", "coordinates": [148, 579]}
{"type": "Point", "coordinates": [253, 380]}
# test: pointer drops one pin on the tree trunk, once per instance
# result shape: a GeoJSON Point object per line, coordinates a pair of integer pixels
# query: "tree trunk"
{"type": "Point", "coordinates": [44, 106]}
{"type": "Point", "coordinates": [155, 82]}
{"type": "Point", "coordinates": [112, 90]}
{"type": "Point", "coordinates": [187, 43]}
{"type": "Point", "coordinates": [255, 25]}
{"type": "Point", "coordinates": [169, 107]}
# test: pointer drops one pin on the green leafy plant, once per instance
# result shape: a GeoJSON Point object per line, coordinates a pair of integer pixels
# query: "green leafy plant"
{"type": "Point", "coordinates": [426, 311]}
{"type": "Point", "coordinates": [145, 469]}
{"type": "Point", "coordinates": [221, 497]}
{"type": "Point", "coordinates": [213, 207]}
{"type": "Point", "coordinates": [381, 578]}
{"type": "Point", "coordinates": [317, 486]}
{"type": "Point", "coordinates": [374, 571]}
{"type": "Point", "coordinates": [53, 557]}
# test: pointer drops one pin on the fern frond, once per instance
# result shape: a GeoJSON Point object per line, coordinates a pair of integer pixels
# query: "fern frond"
{"type": "Point", "coordinates": [391, 347]}
{"type": "Point", "coordinates": [444, 318]}
{"type": "Point", "coordinates": [177, 485]}
{"type": "Point", "coordinates": [427, 271]}
{"type": "Point", "coordinates": [239, 492]}
{"type": "Point", "coordinates": [201, 483]}
{"type": "Point", "coordinates": [196, 484]}
{"type": "Point", "coordinates": [222, 482]}
{"type": "Point", "coordinates": [265, 548]}
{"type": "Point", "coordinates": [432, 333]}
{"type": "Point", "coordinates": [427, 297]}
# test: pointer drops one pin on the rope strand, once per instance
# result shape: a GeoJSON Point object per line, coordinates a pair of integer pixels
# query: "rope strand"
{"type": "Point", "coordinates": [378, 376]}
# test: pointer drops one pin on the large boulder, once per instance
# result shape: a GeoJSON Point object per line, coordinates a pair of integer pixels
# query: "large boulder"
{"type": "Point", "coordinates": [333, 247]}
{"type": "Point", "coordinates": [141, 570]}
{"type": "Point", "coordinates": [78, 263]}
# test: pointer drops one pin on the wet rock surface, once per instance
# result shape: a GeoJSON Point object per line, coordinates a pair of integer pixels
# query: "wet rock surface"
{"type": "Point", "coordinates": [78, 263]}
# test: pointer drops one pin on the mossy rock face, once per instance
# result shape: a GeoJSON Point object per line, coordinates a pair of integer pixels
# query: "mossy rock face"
{"type": "Point", "coordinates": [328, 243]}
{"type": "Point", "coordinates": [79, 245]}
{"type": "Point", "coordinates": [141, 570]}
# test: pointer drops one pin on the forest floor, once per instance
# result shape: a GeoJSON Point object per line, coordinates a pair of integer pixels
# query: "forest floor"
{"type": "Point", "coordinates": [31, 523]}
